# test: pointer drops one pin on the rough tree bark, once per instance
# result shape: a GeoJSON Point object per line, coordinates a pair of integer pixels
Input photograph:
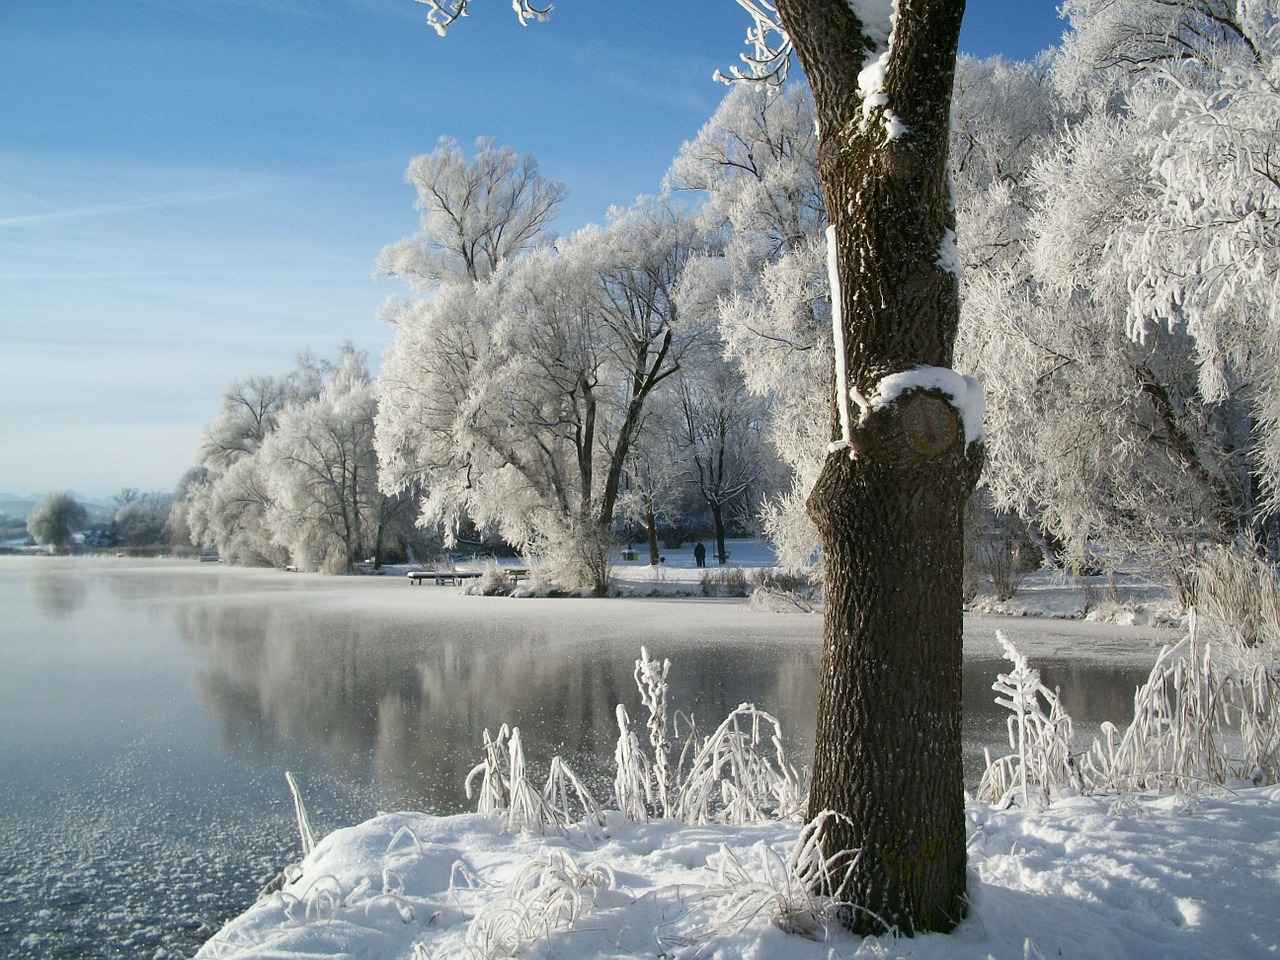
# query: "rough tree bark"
{"type": "Point", "coordinates": [888, 743]}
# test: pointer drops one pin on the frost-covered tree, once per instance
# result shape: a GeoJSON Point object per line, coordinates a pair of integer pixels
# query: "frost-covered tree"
{"type": "Point", "coordinates": [250, 408]}
{"type": "Point", "coordinates": [890, 497]}
{"type": "Point", "coordinates": [1112, 41]}
{"type": "Point", "coordinates": [653, 492]}
{"type": "Point", "coordinates": [193, 481]}
{"type": "Point", "coordinates": [1129, 342]}
{"type": "Point", "coordinates": [722, 436]}
{"type": "Point", "coordinates": [322, 473]}
{"type": "Point", "coordinates": [1004, 116]}
{"type": "Point", "coordinates": [228, 515]}
{"type": "Point", "coordinates": [55, 518]}
{"type": "Point", "coordinates": [474, 214]}
{"type": "Point", "coordinates": [227, 512]}
{"type": "Point", "coordinates": [288, 472]}
{"type": "Point", "coordinates": [756, 160]}
{"type": "Point", "coordinates": [1202, 260]}
{"type": "Point", "coordinates": [517, 401]}
{"type": "Point", "coordinates": [142, 518]}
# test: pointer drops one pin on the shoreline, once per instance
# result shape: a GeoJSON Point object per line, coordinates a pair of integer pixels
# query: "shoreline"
{"type": "Point", "coordinates": [1041, 633]}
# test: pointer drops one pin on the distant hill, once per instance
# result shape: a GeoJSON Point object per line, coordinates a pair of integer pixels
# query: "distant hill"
{"type": "Point", "coordinates": [20, 507]}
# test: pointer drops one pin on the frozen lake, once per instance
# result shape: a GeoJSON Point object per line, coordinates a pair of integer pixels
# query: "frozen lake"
{"type": "Point", "coordinates": [150, 710]}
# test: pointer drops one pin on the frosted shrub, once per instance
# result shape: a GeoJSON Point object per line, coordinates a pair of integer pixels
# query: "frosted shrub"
{"type": "Point", "coordinates": [732, 778]}
{"type": "Point", "coordinates": [632, 784]}
{"type": "Point", "coordinates": [736, 775]}
{"type": "Point", "coordinates": [725, 582]}
{"type": "Point", "coordinates": [564, 791]}
{"type": "Point", "coordinates": [1187, 716]}
{"type": "Point", "coordinates": [1006, 556]}
{"type": "Point", "coordinates": [782, 581]}
{"type": "Point", "coordinates": [579, 559]}
{"type": "Point", "coordinates": [1175, 737]}
{"type": "Point", "coordinates": [1257, 697]}
{"type": "Point", "coordinates": [1238, 599]}
{"type": "Point", "coordinates": [1039, 733]}
{"type": "Point", "coordinates": [786, 891]}
{"type": "Point", "coordinates": [548, 894]}
{"type": "Point", "coordinates": [651, 679]}
{"type": "Point", "coordinates": [493, 580]}
{"type": "Point", "coordinates": [1195, 723]}
{"type": "Point", "coordinates": [505, 790]}
{"type": "Point", "coordinates": [739, 774]}
{"type": "Point", "coordinates": [494, 792]}
{"type": "Point", "coordinates": [781, 590]}
{"type": "Point", "coordinates": [542, 578]}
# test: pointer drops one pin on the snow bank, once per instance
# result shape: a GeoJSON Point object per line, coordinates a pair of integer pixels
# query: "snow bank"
{"type": "Point", "coordinates": [1160, 878]}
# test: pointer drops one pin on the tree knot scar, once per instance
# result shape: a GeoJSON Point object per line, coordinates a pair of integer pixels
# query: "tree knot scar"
{"type": "Point", "coordinates": [931, 426]}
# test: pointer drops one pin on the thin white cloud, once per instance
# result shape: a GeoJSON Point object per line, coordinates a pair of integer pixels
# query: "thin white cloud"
{"type": "Point", "coordinates": [178, 198]}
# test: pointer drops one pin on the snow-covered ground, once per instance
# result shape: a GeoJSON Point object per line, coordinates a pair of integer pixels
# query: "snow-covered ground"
{"type": "Point", "coordinates": [1130, 598]}
{"type": "Point", "coordinates": [1088, 878]}
{"type": "Point", "coordinates": [676, 575]}
{"type": "Point", "coordinates": [1126, 597]}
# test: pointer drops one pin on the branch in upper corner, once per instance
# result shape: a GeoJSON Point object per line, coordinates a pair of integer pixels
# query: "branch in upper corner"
{"type": "Point", "coordinates": [443, 13]}
{"type": "Point", "coordinates": [772, 43]}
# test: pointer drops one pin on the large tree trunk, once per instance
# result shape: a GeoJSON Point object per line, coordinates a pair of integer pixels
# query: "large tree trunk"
{"type": "Point", "coordinates": [890, 509]}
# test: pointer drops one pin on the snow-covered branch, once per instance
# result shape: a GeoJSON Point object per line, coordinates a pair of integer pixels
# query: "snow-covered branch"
{"type": "Point", "coordinates": [771, 45]}
{"type": "Point", "coordinates": [441, 14]}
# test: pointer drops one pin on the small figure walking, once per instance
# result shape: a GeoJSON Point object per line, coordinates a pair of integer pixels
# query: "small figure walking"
{"type": "Point", "coordinates": [700, 555]}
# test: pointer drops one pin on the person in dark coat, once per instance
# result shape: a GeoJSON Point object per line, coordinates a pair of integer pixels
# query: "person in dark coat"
{"type": "Point", "coordinates": [700, 555]}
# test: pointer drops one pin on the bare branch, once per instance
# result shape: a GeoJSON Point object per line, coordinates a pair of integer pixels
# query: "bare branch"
{"type": "Point", "coordinates": [772, 45]}
{"type": "Point", "coordinates": [442, 13]}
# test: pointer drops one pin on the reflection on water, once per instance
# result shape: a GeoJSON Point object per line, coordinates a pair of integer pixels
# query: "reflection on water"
{"type": "Point", "coordinates": [407, 710]}
{"type": "Point", "coordinates": [405, 704]}
{"type": "Point", "coordinates": [54, 593]}
{"type": "Point", "coordinates": [153, 707]}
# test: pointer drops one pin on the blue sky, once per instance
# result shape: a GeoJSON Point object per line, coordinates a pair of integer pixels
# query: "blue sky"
{"type": "Point", "coordinates": [191, 191]}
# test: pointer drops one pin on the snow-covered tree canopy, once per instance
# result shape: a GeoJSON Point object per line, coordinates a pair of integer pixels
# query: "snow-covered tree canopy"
{"type": "Point", "coordinates": [756, 161]}
{"type": "Point", "coordinates": [474, 214]}
{"type": "Point", "coordinates": [288, 472]}
{"type": "Point", "coordinates": [1112, 40]}
{"type": "Point", "coordinates": [55, 518]}
{"type": "Point", "coordinates": [1129, 331]}
{"type": "Point", "coordinates": [515, 401]}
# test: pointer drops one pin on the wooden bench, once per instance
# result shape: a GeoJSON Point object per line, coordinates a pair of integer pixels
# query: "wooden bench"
{"type": "Point", "coordinates": [441, 577]}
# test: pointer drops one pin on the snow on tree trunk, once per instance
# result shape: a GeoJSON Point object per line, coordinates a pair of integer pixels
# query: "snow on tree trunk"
{"type": "Point", "coordinates": [890, 509]}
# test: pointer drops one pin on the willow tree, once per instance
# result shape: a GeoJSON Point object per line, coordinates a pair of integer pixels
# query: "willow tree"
{"type": "Point", "coordinates": [905, 451]}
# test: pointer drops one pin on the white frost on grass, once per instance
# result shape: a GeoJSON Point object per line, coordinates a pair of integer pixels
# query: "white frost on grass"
{"type": "Point", "coordinates": [1147, 879]}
